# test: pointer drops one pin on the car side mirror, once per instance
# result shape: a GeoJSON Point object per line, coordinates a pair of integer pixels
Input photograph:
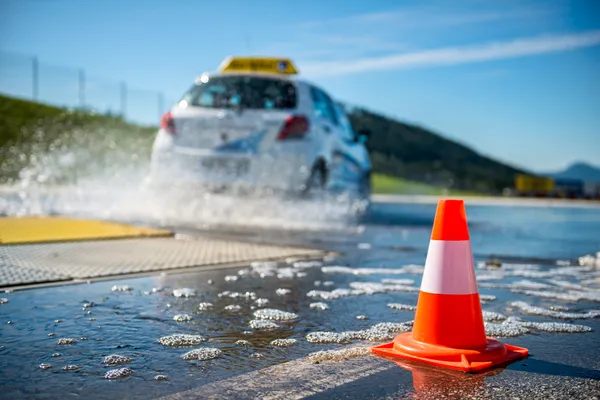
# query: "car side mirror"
{"type": "Point", "coordinates": [363, 135]}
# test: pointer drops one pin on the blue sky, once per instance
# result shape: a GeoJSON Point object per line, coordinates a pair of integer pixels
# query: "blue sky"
{"type": "Point", "coordinates": [519, 81]}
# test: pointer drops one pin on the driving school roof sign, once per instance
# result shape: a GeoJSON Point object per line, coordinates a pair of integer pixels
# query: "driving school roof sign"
{"type": "Point", "coordinates": [258, 64]}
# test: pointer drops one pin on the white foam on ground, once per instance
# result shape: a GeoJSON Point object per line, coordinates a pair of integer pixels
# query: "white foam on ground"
{"type": "Point", "coordinates": [377, 333]}
{"type": "Point", "coordinates": [182, 318]}
{"type": "Point", "coordinates": [261, 302]}
{"type": "Point", "coordinates": [533, 310]}
{"type": "Point", "coordinates": [184, 292]}
{"type": "Point", "coordinates": [66, 341]}
{"type": "Point", "coordinates": [490, 316]}
{"type": "Point", "coordinates": [401, 307]}
{"type": "Point", "coordinates": [408, 269]}
{"type": "Point", "coordinates": [115, 359]}
{"type": "Point", "coordinates": [565, 296]}
{"type": "Point", "coordinates": [118, 373]}
{"type": "Point", "coordinates": [319, 305]}
{"type": "Point", "coordinates": [275, 315]}
{"type": "Point", "coordinates": [121, 288]}
{"type": "Point", "coordinates": [338, 355]}
{"type": "Point", "coordinates": [389, 281]}
{"type": "Point", "coordinates": [205, 306]}
{"type": "Point", "coordinates": [181, 339]}
{"type": "Point", "coordinates": [283, 342]}
{"type": "Point", "coordinates": [202, 354]}
{"type": "Point", "coordinates": [263, 325]}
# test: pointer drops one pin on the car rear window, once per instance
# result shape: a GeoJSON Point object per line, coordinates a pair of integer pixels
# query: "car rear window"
{"type": "Point", "coordinates": [246, 92]}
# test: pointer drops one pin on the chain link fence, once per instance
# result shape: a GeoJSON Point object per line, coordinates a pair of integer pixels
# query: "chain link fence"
{"type": "Point", "coordinates": [28, 77]}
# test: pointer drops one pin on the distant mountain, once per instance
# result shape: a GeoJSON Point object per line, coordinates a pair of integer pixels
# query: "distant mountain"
{"type": "Point", "coordinates": [581, 171]}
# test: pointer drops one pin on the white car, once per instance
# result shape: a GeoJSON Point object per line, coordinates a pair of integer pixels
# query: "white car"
{"type": "Point", "coordinates": [254, 124]}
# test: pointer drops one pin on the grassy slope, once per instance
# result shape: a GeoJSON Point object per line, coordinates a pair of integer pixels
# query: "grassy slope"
{"type": "Point", "coordinates": [385, 184]}
{"type": "Point", "coordinates": [33, 133]}
{"type": "Point", "coordinates": [29, 129]}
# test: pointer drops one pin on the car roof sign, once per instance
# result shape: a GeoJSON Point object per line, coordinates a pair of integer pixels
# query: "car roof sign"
{"type": "Point", "coordinates": [259, 64]}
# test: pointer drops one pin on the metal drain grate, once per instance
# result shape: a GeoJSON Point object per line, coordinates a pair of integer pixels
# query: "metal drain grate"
{"type": "Point", "coordinates": [36, 263]}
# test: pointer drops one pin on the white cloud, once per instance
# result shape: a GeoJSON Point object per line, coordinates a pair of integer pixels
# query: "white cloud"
{"type": "Point", "coordinates": [455, 55]}
{"type": "Point", "coordinates": [432, 17]}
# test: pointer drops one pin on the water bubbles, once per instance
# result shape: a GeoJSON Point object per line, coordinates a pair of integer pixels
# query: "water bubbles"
{"type": "Point", "coordinates": [51, 334]}
{"type": "Point", "coordinates": [529, 309]}
{"type": "Point", "coordinates": [58, 321]}
{"type": "Point", "coordinates": [377, 333]}
{"type": "Point", "coordinates": [3, 300]}
{"type": "Point", "coordinates": [589, 260]}
{"type": "Point", "coordinates": [487, 297]}
{"type": "Point", "coordinates": [363, 246]}
{"type": "Point", "coordinates": [307, 264]}
{"type": "Point", "coordinates": [401, 307]}
{"type": "Point", "coordinates": [261, 302]}
{"type": "Point", "coordinates": [328, 283]}
{"type": "Point", "coordinates": [71, 367]}
{"type": "Point", "coordinates": [283, 291]}
{"type": "Point", "coordinates": [283, 342]}
{"type": "Point", "coordinates": [66, 341]}
{"type": "Point", "coordinates": [231, 278]}
{"type": "Point", "coordinates": [184, 292]}
{"type": "Point", "coordinates": [327, 338]}
{"type": "Point", "coordinates": [362, 317]}
{"type": "Point", "coordinates": [319, 305]}
{"type": "Point", "coordinates": [115, 359]}
{"type": "Point", "coordinates": [243, 343]}
{"type": "Point", "coordinates": [390, 281]}
{"type": "Point", "coordinates": [161, 378]}
{"type": "Point", "coordinates": [263, 264]}
{"type": "Point", "coordinates": [233, 308]}
{"type": "Point", "coordinates": [181, 339]}
{"type": "Point", "coordinates": [121, 288]}
{"type": "Point", "coordinates": [45, 366]}
{"type": "Point", "coordinates": [205, 306]}
{"type": "Point", "coordinates": [263, 325]}
{"type": "Point", "coordinates": [182, 318]}
{"type": "Point", "coordinates": [257, 355]}
{"type": "Point", "coordinates": [557, 327]}
{"type": "Point", "coordinates": [360, 288]}
{"type": "Point", "coordinates": [56, 354]}
{"type": "Point", "coordinates": [491, 316]}
{"type": "Point", "coordinates": [408, 269]}
{"type": "Point", "coordinates": [338, 355]}
{"type": "Point", "coordinates": [275, 315]}
{"type": "Point", "coordinates": [118, 373]}
{"type": "Point", "coordinates": [210, 282]}
{"type": "Point", "coordinates": [202, 354]}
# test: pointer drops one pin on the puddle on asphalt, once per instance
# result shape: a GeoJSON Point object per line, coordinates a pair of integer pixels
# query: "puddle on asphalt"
{"type": "Point", "coordinates": [270, 313]}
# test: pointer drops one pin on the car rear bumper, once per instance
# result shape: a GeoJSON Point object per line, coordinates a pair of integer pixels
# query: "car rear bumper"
{"type": "Point", "coordinates": [288, 172]}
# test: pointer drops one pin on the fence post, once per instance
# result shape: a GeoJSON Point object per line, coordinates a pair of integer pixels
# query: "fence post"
{"type": "Point", "coordinates": [161, 105]}
{"type": "Point", "coordinates": [35, 77]}
{"type": "Point", "coordinates": [81, 88]}
{"type": "Point", "coordinates": [123, 99]}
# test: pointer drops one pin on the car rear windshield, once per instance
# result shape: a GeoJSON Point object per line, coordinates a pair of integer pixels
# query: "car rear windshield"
{"type": "Point", "coordinates": [246, 92]}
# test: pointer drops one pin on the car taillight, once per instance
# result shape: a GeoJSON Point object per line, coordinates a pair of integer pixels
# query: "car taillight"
{"type": "Point", "coordinates": [295, 127]}
{"type": "Point", "coordinates": [168, 123]}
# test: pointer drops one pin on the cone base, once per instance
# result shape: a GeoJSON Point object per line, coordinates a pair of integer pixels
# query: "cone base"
{"type": "Point", "coordinates": [467, 360]}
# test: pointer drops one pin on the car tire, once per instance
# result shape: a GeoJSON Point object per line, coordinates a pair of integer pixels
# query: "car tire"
{"type": "Point", "coordinates": [317, 181]}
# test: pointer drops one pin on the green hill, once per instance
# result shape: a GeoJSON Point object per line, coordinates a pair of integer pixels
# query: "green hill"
{"type": "Point", "coordinates": [406, 158]}
{"type": "Point", "coordinates": [416, 154]}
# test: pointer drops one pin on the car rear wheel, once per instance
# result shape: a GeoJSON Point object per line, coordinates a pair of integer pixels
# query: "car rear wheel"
{"type": "Point", "coordinates": [317, 181]}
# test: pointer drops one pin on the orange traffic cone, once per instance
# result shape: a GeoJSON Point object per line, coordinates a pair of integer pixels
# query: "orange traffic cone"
{"type": "Point", "coordinates": [448, 330]}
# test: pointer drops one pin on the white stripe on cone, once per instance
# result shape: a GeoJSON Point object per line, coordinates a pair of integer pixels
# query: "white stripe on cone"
{"type": "Point", "coordinates": [449, 268]}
